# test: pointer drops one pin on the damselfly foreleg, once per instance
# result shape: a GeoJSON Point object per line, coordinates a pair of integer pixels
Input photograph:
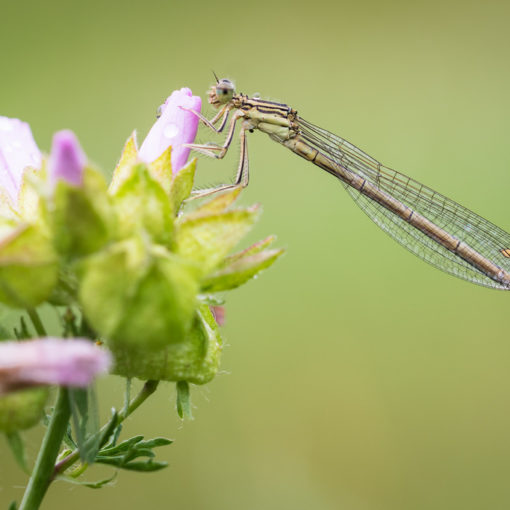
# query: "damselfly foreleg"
{"type": "Point", "coordinates": [242, 176]}
{"type": "Point", "coordinates": [208, 149]}
{"type": "Point", "coordinates": [222, 114]}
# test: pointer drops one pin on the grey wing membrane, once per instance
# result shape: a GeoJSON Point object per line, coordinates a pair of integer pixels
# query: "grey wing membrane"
{"type": "Point", "coordinates": [481, 235]}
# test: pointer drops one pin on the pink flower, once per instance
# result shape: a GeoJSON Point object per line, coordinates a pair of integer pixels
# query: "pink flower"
{"type": "Point", "coordinates": [67, 159]}
{"type": "Point", "coordinates": [18, 150]}
{"type": "Point", "coordinates": [71, 362]}
{"type": "Point", "coordinates": [175, 127]}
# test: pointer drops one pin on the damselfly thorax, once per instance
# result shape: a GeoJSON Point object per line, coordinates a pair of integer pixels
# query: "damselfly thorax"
{"type": "Point", "coordinates": [430, 225]}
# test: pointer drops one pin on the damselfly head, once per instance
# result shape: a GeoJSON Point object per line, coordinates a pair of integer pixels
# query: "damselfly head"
{"type": "Point", "coordinates": [221, 93]}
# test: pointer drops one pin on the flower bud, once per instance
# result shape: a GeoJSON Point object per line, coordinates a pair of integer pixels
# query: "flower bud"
{"type": "Point", "coordinates": [67, 159]}
{"type": "Point", "coordinates": [174, 128]}
{"type": "Point", "coordinates": [22, 409]}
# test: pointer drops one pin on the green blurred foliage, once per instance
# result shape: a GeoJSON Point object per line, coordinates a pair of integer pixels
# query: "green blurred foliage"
{"type": "Point", "coordinates": [355, 375]}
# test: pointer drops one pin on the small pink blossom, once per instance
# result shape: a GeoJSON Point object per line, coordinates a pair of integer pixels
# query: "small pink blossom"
{"type": "Point", "coordinates": [218, 314]}
{"type": "Point", "coordinates": [67, 159]}
{"type": "Point", "coordinates": [174, 127]}
{"type": "Point", "coordinates": [43, 361]}
{"type": "Point", "coordinates": [18, 151]}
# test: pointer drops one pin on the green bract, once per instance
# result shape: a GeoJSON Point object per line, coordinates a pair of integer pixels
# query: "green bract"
{"type": "Point", "coordinates": [22, 409]}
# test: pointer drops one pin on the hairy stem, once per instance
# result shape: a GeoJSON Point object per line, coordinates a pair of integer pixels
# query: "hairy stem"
{"type": "Point", "coordinates": [44, 465]}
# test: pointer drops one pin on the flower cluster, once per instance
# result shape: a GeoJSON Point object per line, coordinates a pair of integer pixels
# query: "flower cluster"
{"type": "Point", "coordinates": [145, 272]}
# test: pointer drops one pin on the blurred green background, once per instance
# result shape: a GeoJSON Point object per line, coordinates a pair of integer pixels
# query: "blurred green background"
{"type": "Point", "coordinates": [355, 376]}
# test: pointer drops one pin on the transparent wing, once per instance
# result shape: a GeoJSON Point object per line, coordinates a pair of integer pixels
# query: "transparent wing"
{"type": "Point", "coordinates": [481, 235]}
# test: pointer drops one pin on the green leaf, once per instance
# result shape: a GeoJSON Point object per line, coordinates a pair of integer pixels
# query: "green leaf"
{"type": "Point", "coordinates": [240, 271]}
{"type": "Point", "coordinates": [17, 446]}
{"type": "Point", "coordinates": [182, 184]}
{"type": "Point", "coordinates": [183, 400]}
{"type": "Point", "coordinates": [155, 443]}
{"type": "Point", "coordinates": [13, 506]}
{"type": "Point", "coordinates": [86, 422]}
{"type": "Point", "coordinates": [147, 467]}
{"type": "Point", "coordinates": [121, 447]}
{"type": "Point", "coordinates": [22, 333]}
{"type": "Point", "coordinates": [90, 485]}
{"type": "Point", "coordinates": [208, 239]}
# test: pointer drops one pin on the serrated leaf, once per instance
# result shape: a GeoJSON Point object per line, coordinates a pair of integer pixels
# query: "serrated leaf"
{"type": "Point", "coordinates": [182, 184]}
{"type": "Point", "coordinates": [216, 205]}
{"type": "Point", "coordinates": [208, 239]}
{"type": "Point", "coordinates": [240, 271]}
{"type": "Point", "coordinates": [183, 400]}
{"type": "Point", "coordinates": [128, 158]}
{"type": "Point", "coordinates": [90, 485]}
{"type": "Point", "coordinates": [17, 446]}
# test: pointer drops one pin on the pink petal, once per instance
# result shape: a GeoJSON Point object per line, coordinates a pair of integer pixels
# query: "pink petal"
{"type": "Point", "coordinates": [18, 150]}
{"type": "Point", "coordinates": [218, 314]}
{"type": "Point", "coordinates": [175, 127]}
{"type": "Point", "coordinates": [67, 362]}
{"type": "Point", "coordinates": [67, 159]}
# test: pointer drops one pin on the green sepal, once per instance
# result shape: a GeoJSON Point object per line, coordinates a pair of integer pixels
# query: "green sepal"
{"type": "Point", "coordinates": [28, 267]}
{"type": "Point", "coordinates": [17, 447]}
{"type": "Point", "coordinates": [82, 216]}
{"type": "Point", "coordinates": [195, 360]}
{"type": "Point", "coordinates": [138, 296]}
{"type": "Point", "coordinates": [22, 409]}
{"type": "Point", "coordinates": [182, 184]}
{"type": "Point", "coordinates": [251, 250]}
{"type": "Point", "coordinates": [183, 400]}
{"type": "Point", "coordinates": [208, 239]}
{"type": "Point", "coordinates": [216, 205]}
{"type": "Point", "coordinates": [240, 271]}
{"type": "Point", "coordinates": [161, 169]}
{"type": "Point", "coordinates": [142, 205]}
{"type": "Point", "coordinates": [128, 159]}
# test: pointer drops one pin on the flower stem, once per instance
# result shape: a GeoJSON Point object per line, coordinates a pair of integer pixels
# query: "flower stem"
{"type": "Point", "coordinates": [43, 469]}
{"type": "Point", "coordinates": [148, 389]}
{"type": "Point", "coordinates": [36, 321]}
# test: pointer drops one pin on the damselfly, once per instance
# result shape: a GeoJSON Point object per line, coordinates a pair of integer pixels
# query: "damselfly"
{"type": "Point", "coordinates": [430, 225]}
